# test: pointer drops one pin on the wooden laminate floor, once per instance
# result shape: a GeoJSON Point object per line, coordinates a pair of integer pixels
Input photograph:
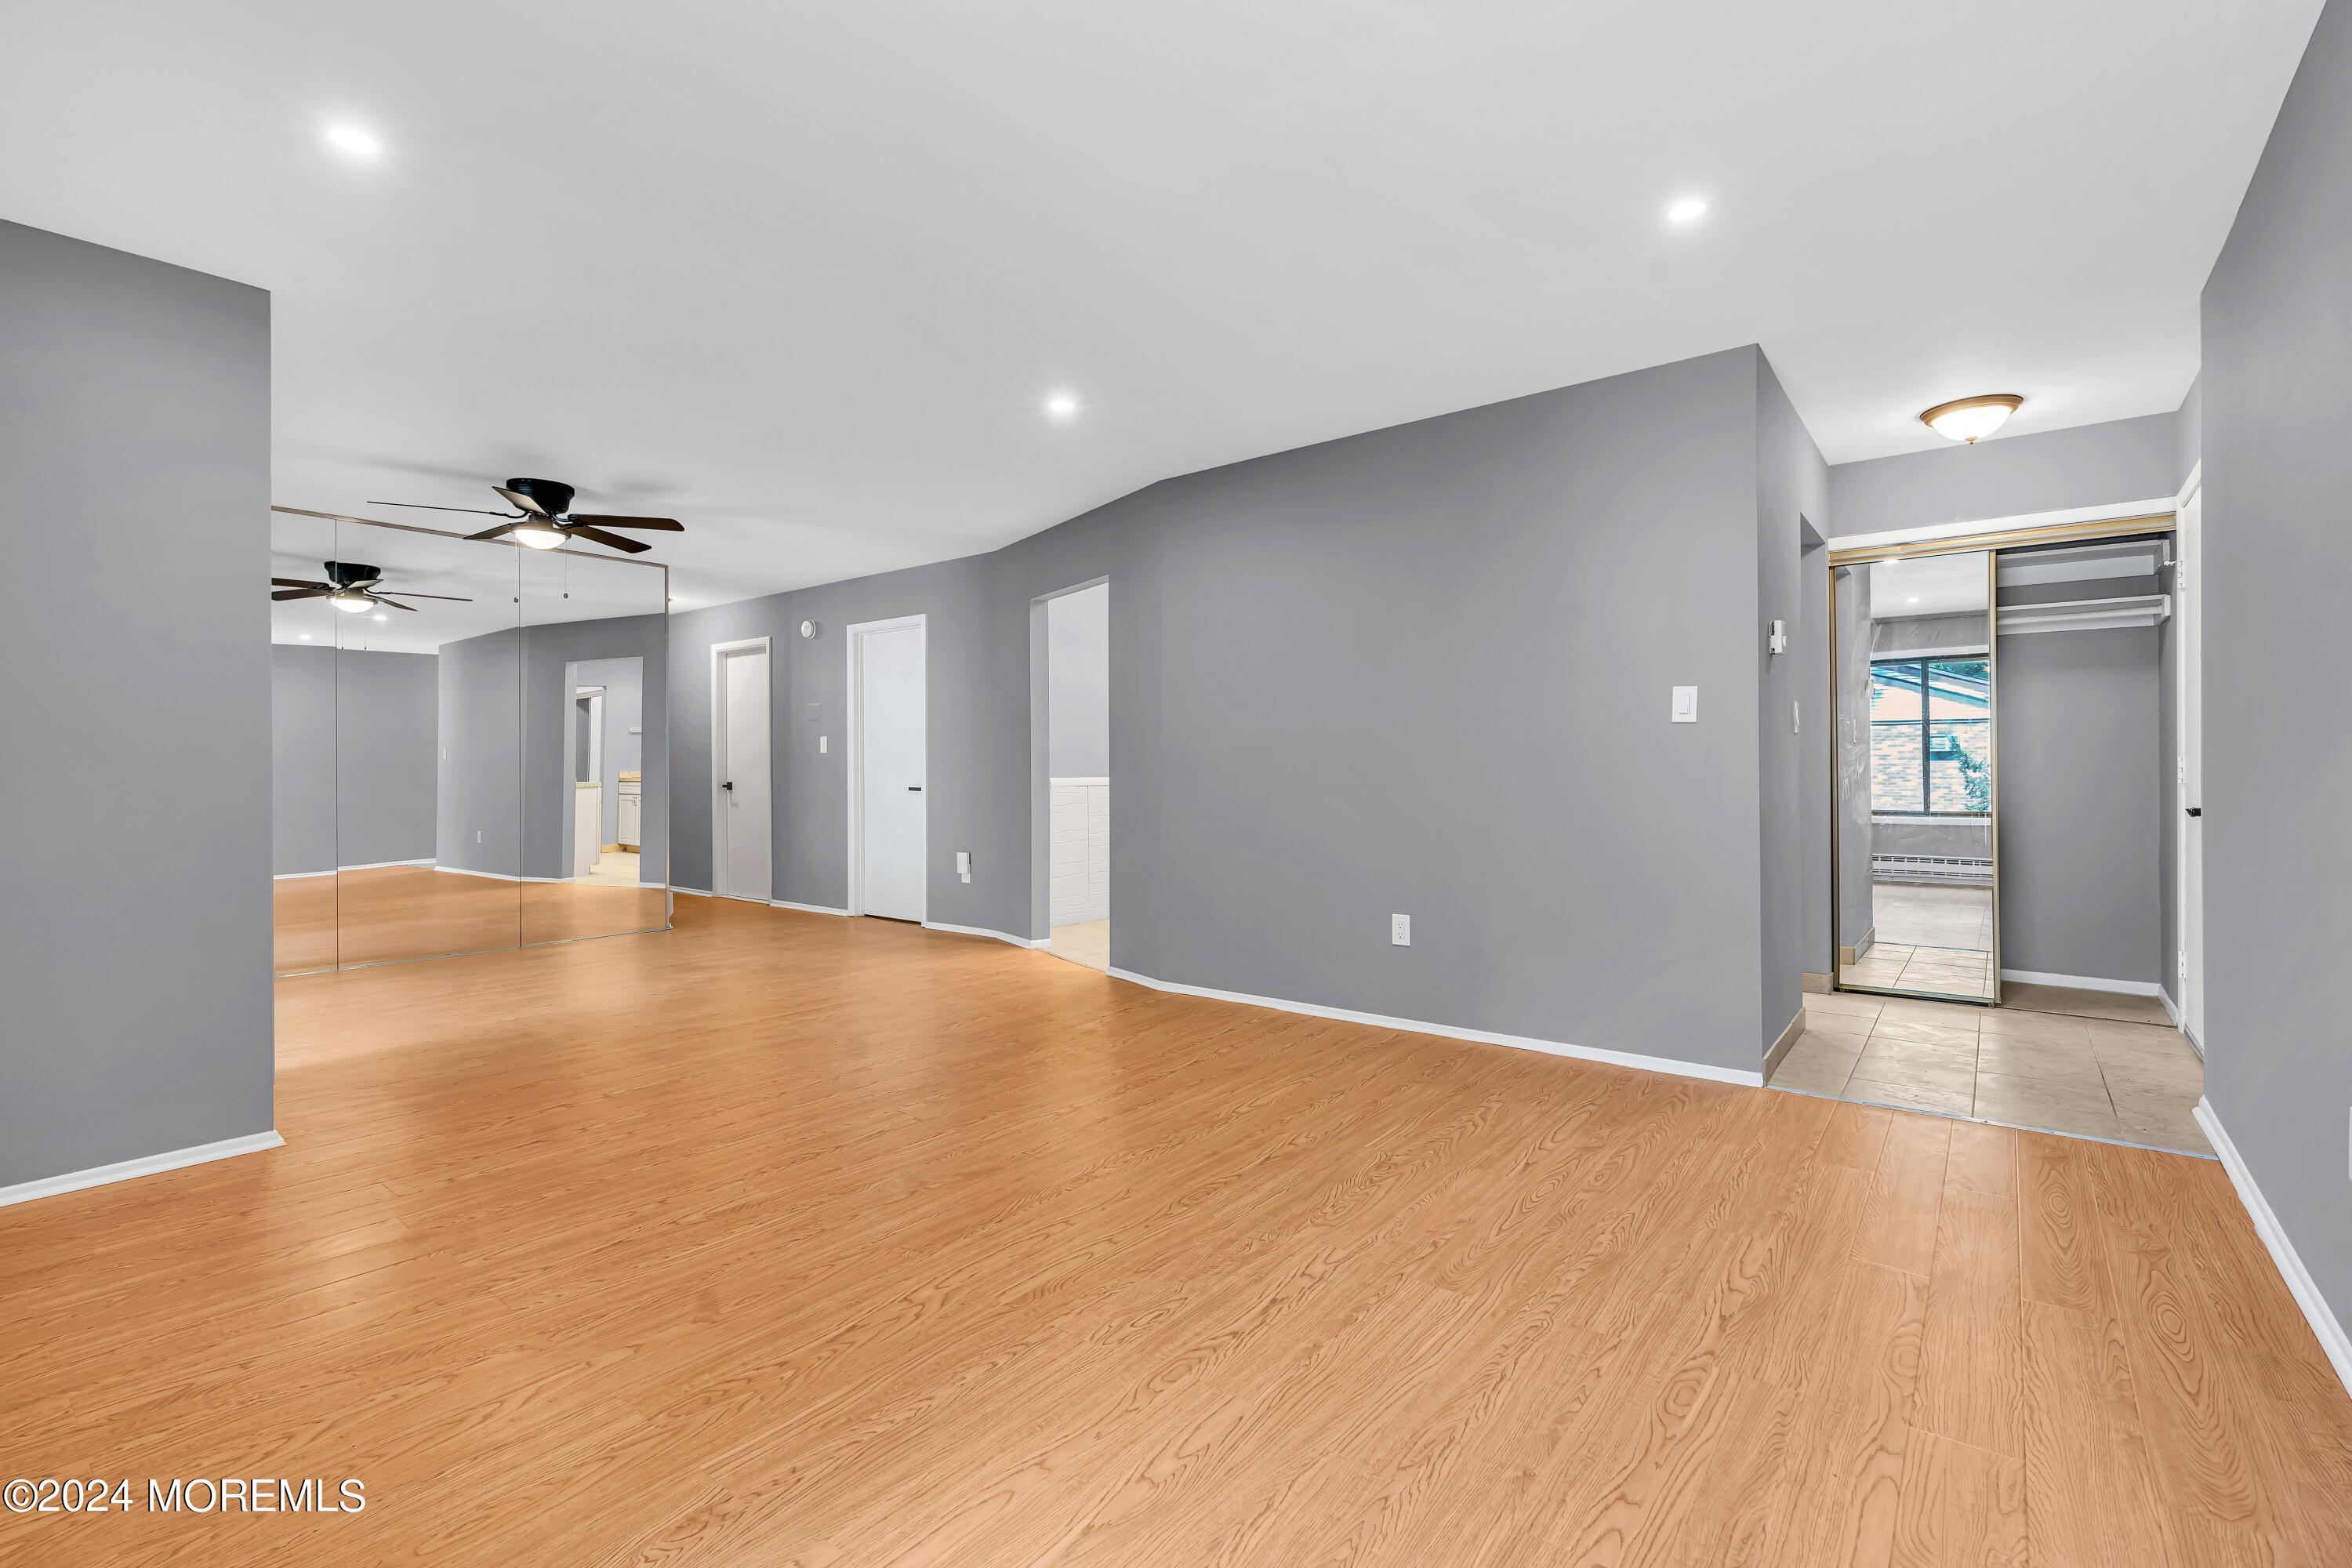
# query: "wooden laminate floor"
{"type": "Point", "coordinates": [387, 914]}
{"type": "Point", "coordinates": [781, 1239]}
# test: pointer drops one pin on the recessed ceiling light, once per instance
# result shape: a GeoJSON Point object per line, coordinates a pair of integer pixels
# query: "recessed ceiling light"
{"type": "Point", "coordinates": [383, 617]}
{"type": "Point", "coordinates": [1970, 418]}
{"type": "Point", "coordinates": [1061, 406]}
{"type": "Point", "coordinates": [1688, 210]}
{"type": "Point", "coordinates": [1912, 600]}
{"type": "Point", "coordinates": [354, 141]}
{"type": "Point", "coordinates": [302, 636]}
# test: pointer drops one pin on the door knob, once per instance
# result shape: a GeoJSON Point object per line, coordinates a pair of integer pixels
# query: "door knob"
{"type": "Point", "coordinates": [914, 789]}
{"type": "Point", "coordinates": [729, 784]}
{"type": "Point", "coordinates": [2196, 811]}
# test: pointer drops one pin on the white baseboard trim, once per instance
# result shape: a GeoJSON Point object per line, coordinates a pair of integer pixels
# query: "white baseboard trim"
{"type": "Point", "coordinates": [980, 931]}
{"type": "Point", "coordinates": [145, 1165]}
{"type": "Point", "coordinates": [2172, 1008]}
{"type": "Point", "coordinates": [807, 909]}
{"type": "Point", "coordinates": [692, 892]}
{"type": "Point", "coordinates": [370, 865]}
{"type": "Point", "coordinates": [1751, 1080]}
{"type": "Point", "coordinates": [2315, 1309]}
{"type": "Point", "coordinates": [493, 876]}
{"type": "Point", "coordinates": [2084, 983]}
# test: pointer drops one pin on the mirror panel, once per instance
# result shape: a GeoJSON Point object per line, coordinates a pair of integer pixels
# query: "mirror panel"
{"type": "Point", "coordinates": [430, 762]}
{"type": "Point", "coordinates": [1917, 899]}
{"type": "Point", "coordinates": [303, 635]}
{"type": "Point", "coordinates": [595, 761]}
{"type": "Point", "coordinates": [427, 810]}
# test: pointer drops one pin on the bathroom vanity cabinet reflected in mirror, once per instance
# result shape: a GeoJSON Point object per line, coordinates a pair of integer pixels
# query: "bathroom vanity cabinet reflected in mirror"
{"type": "Point", "coordinates": [1917, 902]}
{"type": "Point", "coordinates": [422, 787]}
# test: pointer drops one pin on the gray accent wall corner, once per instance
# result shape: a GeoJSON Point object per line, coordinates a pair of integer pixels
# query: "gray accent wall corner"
{"type": "Point", "coordinates": [135, 942]}
{"type": "Point", "coordinates": [2277, 395]}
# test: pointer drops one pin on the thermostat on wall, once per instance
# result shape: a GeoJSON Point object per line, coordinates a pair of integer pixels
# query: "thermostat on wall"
{"type": "Point", "coordinates": [808, 628]}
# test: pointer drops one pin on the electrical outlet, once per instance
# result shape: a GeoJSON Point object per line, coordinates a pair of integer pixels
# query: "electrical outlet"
{"type": "Point", "coordinates": [1401, 930]}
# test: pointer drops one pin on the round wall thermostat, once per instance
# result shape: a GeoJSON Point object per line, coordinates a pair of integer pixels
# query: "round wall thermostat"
{"type": "Point", "coordinates": [808, 628]}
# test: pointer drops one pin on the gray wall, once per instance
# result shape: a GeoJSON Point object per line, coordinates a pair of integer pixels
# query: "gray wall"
{"type": "Point", "coordinates": [380, 712]}
{"type": "Point", "coordinates": [1791, 500]}
{"type": "Point", "coordinates": [2091, 464]}
{"type": "Point", "coordinates": [2277, 393]}
{"type": "Point", "coordinates": [2189, 432]}
{"type": "Point", "coordinates": [302, 760]}
{"type": "Point", "coordinates": [134, 952]}
{"type": "Point", "coordinates": [1306, 652]}
{"type": "Point", "coordinates": [2082, 814]}
{"type": "Point", "coordinates": [1078, 656]}
{"type": "Point", "coordinates": [478, 811]}
{"type": "Point", "coordinates": [520, 800]}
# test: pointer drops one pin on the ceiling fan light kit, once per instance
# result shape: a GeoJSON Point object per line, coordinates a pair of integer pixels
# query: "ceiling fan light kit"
{"type": "Point", "coordinates": [544, 518]}
{"type": "Point", "coordinates": [353, 586]}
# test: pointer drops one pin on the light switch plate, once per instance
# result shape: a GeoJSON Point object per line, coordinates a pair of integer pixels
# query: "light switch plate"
{"type": "Point", "coordinates": [1685, 704]}
{"type": "Point", "coordinates": [1401, 930]}
{"type": "Point", "coordinates": [821, 744]}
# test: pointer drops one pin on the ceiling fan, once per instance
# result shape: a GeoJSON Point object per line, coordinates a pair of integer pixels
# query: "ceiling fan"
{"type": "Point", "coordinates": [544, 518]}
{"type": "Point", "coordinates": [352, 587]}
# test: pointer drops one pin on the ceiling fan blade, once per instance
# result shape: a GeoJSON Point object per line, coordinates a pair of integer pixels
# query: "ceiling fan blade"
{"type": "Point", "coordinates": [381, 599]}
{"type": "Point", "coordinates": [319, 592]}
{"type": "Point", "coordinates": [520, 499]}
{"type": "Point", "coordinates": [411, 594]}
{"type": "Point", "coordinates": [297, 582]}
{"type": "Point", "coordinates": [499, 532]}
{"type": "Point", "coordinates": [666, 524]}
{"type": "Point", "coordinates": [634, 547]}
{"type": "Point", "coordinates": [424, 506]}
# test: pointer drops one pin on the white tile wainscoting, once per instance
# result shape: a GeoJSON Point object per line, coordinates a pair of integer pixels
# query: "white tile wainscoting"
{"type": "Point", "coordinates": [1079, 863]}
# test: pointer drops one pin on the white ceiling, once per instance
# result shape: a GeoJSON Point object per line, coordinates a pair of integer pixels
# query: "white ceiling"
{"type": "Point", "coordinates": [802, 274]}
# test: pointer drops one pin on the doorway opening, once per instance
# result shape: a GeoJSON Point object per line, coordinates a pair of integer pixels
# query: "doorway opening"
{"type": "Point", "coordinates": [741, 827]}
{"type": "Point", "coordinates": [1076, 733]}
{"type": "Point", "coordinates": [889, 817]}
{"type": "Point", "coordinates": [2003, 843]}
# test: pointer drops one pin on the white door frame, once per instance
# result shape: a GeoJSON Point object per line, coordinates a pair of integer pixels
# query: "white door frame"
{"type": "Point", "coordinates": [719, 652]}
{"type": "Point", "coordinates": [2188, 678]}
{"type": "Point", "coordinates": [856, 634]}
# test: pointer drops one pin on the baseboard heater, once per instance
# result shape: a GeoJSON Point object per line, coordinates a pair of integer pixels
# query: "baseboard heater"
{"type": "Point", "coordinates": [1964, 869]}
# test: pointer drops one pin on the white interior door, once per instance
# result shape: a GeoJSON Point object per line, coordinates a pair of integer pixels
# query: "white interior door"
{"type": "Point", "coordinates": [742, 862]}
{"type": "Point", "coordinates": [891, 830]}
{"type": "Point", "coordinates": [2189, 594]}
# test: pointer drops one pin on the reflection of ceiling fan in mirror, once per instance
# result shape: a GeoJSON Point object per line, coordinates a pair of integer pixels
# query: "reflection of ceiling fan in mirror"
{"type": "Point", "coordinates": [544, 518]}
{"type": "Point", "coordinates": [352, 587]}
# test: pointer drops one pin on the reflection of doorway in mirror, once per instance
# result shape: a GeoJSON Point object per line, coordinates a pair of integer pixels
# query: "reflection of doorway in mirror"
{"type": "Point", "coordinates": [605, 747]}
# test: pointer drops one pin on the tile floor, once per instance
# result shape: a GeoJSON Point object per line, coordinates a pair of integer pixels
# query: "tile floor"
{"type": "Point", "coordinates": [1087, 943]}
{"type": "Point", "coordinates": [1929, 938]}
{"type": "Point", "coordinates": [2128, 1082]}
{"type": "Point", "coordinates": [614, 869]}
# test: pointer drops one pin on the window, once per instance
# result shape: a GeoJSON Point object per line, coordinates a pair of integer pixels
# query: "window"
{"type": "Point", "coordinates": [1931, 737]}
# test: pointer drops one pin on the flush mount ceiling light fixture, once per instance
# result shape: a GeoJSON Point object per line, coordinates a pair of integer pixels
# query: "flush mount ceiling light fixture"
{"type": "Point", "coordinates": [1971, 418]}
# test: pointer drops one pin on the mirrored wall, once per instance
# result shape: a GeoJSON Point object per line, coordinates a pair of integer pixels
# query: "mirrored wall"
{"type": "Point", "coordinates": [1917, 901]}
{"type": "Point", "coordinates": [469, 743]}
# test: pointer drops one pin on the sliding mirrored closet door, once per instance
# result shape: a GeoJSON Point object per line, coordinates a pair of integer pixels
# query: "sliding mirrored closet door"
{"type": "Point", "coordinates": [1918, 889]}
